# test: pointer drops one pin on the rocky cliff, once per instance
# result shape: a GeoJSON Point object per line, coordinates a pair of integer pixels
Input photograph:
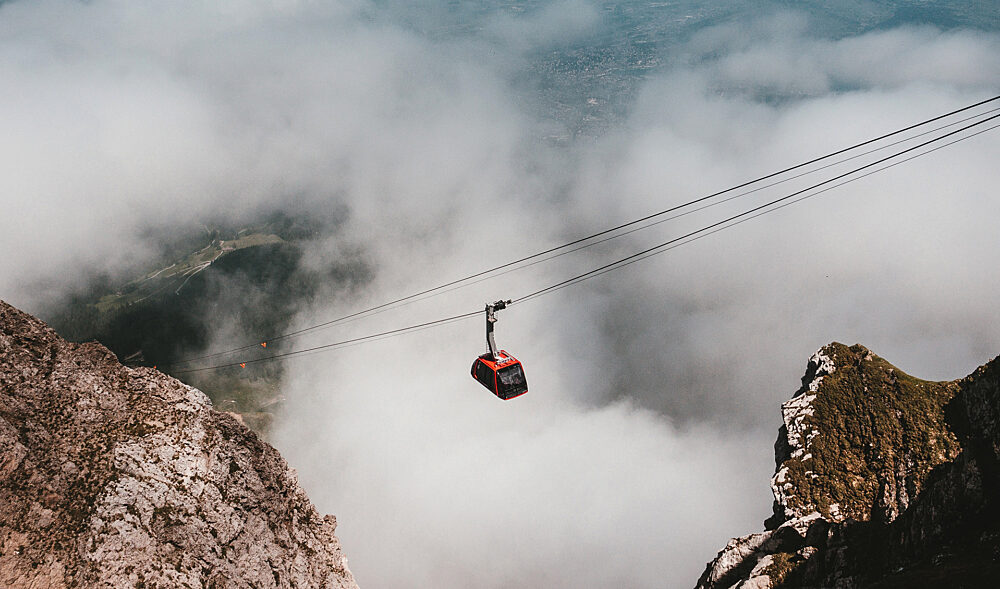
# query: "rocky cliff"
{"type": "Point", "coordinates": [120, 477]}
{"type": "Point", "coordinates": [881, 480]}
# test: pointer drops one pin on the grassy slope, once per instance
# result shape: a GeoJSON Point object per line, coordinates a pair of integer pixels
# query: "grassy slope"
{"type": "Point", "coordinates": [874, 422]}
{"type": "Point", "coordinates": [165, 279]}
{"type": "Point", "coordinates": [252, 288]}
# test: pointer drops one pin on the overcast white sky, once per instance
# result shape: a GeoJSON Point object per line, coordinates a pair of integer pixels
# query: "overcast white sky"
{"type": "Point", "coordinates": [645, 442]}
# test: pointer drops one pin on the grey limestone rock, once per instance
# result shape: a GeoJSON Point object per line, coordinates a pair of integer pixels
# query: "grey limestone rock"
{"type": "Point", "coordinates": [119, 477]}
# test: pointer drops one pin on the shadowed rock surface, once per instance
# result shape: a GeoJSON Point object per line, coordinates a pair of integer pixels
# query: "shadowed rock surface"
{"type": "Point", "coordinates": [120, 477]}
{"type": "Point", "coordinates": [882, 480]}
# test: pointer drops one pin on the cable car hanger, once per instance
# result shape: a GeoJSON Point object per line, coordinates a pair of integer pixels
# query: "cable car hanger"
{"type": "Point", "coordinates": [501, 373]}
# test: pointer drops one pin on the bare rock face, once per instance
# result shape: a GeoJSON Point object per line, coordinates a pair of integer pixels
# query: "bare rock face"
{"type": "Point", "coordinates": [881, 480]}
{"type": "Point", "coordinates": [117, 477]}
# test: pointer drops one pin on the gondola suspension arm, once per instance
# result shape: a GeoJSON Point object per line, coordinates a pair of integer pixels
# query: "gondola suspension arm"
{"type": "Point", "coordinates": [491, 309]}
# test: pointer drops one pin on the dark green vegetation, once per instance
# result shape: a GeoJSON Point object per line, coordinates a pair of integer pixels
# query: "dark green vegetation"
{"type": "Point", "coordinates": [786, 570]}
{"type": "Point", "coordinates": [216, 289]}
{"type": "Point", "coordinates": [881, 432]}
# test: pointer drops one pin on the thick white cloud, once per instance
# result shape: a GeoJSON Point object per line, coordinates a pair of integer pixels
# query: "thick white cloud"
{"type": "Point", "coordinates": [129, 115]}
{"type": "Point", "coordinates": [438, 484]}
{"type": "Point", "coordinates": [878, 261]}
{"type": "Point", "coordinates": [714, 336]}
{"type": "Point", "coordinates": [645, 440]}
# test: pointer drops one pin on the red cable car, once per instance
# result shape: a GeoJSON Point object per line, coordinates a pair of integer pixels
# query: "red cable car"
{"type": "Point", "coordinates": [500, 372]}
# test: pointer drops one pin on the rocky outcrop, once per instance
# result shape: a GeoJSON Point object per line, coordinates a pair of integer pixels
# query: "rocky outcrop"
{"type": "Point", "coordinates": [881, 480]}
{"type": "Point", "coordinates": [120, 477]}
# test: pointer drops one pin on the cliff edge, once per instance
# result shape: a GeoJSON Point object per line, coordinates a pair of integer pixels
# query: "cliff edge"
{"type": "Point", "coordinates": [119, 477]}
{"type": "Point", "coordinates": [881, 480]}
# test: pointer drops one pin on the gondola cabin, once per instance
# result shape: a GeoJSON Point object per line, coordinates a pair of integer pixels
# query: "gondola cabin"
{"type": "Point", "coordinates": [504, 376]}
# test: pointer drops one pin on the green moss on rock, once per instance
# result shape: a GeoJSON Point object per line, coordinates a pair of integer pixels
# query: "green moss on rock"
{"type": "Point", "coordinates": [876, 433]}
{"type": "Point", "coordinates": [783, 567]}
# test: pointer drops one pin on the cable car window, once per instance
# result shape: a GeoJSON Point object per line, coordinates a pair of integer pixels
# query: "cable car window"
{"type": "Point", "coordinates": [511, 375]}
{"type": "Point", "coordinates": [484, 374]}
{"type": "Point", "coordinates": [512, 381]}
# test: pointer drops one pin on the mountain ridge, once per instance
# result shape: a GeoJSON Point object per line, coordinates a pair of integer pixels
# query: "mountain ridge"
{"type": "Point", "coordinates": [881, 480]}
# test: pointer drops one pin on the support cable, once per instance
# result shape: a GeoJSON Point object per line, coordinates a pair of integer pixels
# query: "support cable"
{"type": "Point", "coordinates": [729, 222]}
{"type": "Point", "coordinates": [599, 270]}
{"type": "Point", "coordinates": [576, 242]}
